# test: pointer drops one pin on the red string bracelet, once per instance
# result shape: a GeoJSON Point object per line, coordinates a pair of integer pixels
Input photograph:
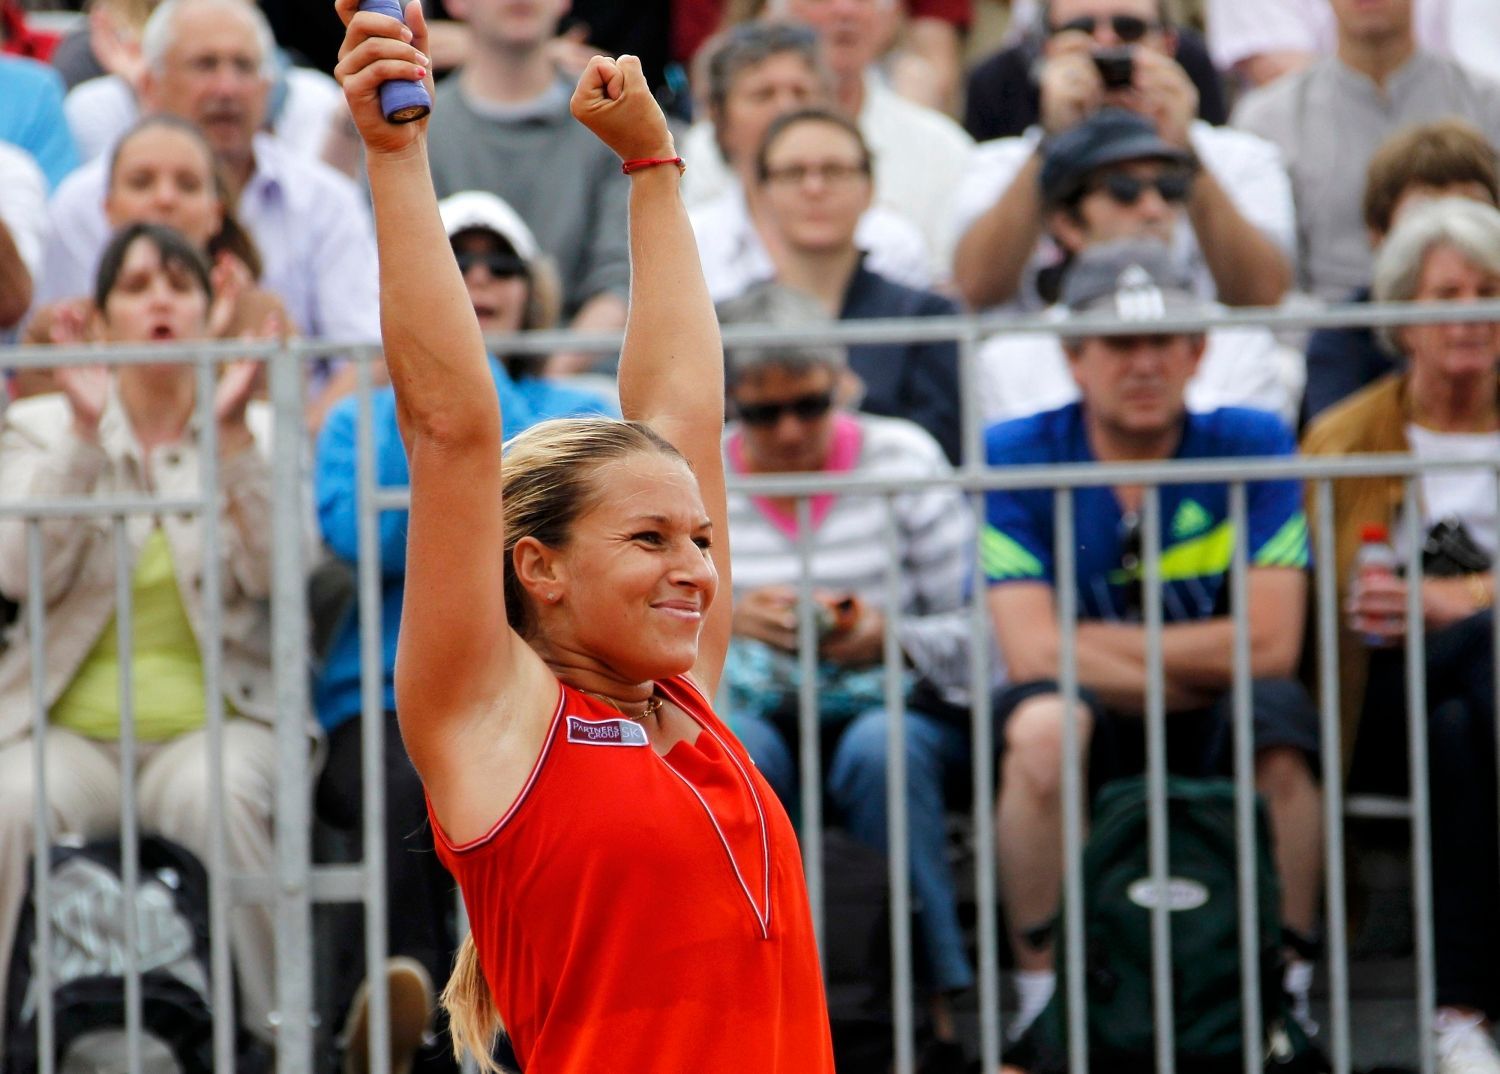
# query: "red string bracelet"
{"type": "Point", "coordinates": [636, 165]}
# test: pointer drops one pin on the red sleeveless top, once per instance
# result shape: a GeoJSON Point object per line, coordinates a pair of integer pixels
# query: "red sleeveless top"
{"type": "Point", "coordinates": [638, 912]}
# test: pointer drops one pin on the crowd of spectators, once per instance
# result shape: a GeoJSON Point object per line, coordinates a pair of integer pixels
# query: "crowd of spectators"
{"type": "Point", "coordinates": [183, 169]}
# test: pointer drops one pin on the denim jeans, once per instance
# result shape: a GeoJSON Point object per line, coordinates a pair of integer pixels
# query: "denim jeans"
{"type": "Point", "coordinates": [856, 787]}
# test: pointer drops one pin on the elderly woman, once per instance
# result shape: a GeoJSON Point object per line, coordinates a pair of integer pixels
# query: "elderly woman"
{"type": "Point", "coordinates": [789, 415]}
{"type": "Point", "coordinates": [130, 434]}
{"type": "Point", "coordinates": [1444, 406]}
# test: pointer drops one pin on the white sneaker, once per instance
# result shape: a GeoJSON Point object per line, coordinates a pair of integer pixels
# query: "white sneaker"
{"type": "Point", "coordinates": [1464, 1044]}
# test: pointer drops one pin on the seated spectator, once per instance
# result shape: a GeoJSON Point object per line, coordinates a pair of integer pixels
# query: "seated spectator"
{"type": "Point", "coordinates": [1094, 199]}
{"type": "Point", "coordinates": [304, 104]}
{"type": "Point", "coordinates": [1240, 232]}
{"type": "Point", "coordinates": [813, 186]}
{"type": "Point", "coordinates": [164, 172]}
{"type": "Point", "coordinates": [103, 436]}
{"type": "Point", "coordinates": [786, 406]}
{"type": "Point", "coordinates": [920, 154]}
{"type": "Point", "coordinates": [1258, 43]}
{"type": "Point", "coordinates": [501, 123]}
{"type": "Point", "coordinates": [23, 217]}
{"type": "Point", "coordinates": [206, 63]}
{"type": "Point", "coordinates": [1004, 99]}
{"type": "Point", "coordinates": [500, 262]}
{"type": "Point", "coordinates": [1132, 409]}
{"type": "Point", "coordinates": [1330, 118]}
{"type": "Point", "coordinates": [1444, 405]}
{"type": "Point", "coordinates": [761, 70]}
{"type": "Point", "coordinates": [33, 116]}
{"type": "Point", "coordinates": [1449, 158]}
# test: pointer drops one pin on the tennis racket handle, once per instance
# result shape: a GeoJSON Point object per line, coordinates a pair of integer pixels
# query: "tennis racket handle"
{"type": "Point", "coordinates": [401, 100]}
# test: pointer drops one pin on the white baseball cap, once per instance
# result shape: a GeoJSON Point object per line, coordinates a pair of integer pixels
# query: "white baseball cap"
{"type": "Point", "coordinates": [470, 209]}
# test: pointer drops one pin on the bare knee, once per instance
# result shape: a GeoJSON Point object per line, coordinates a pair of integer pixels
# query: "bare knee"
{"type": "Point", "coordinates": [1282, 773]}
{"type": "Point", "coordinates": [1034, 746]}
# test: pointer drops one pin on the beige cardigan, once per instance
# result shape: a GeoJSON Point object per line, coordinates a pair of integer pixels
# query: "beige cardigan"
{"type": "Point", "coordinates": [41, 458]}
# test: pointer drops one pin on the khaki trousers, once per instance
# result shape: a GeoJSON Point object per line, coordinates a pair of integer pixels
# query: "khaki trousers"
{"type": "Point", "coordinates": [172, 792]}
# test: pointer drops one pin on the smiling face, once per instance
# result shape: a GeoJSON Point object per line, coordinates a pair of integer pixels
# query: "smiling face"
{"type": "Point", "coordinates": [163, 175]}
{"type": "Point", "coordinates": [635, 578]}
{"type": "Point", "coordinates": [153, 300]}
{"type": "Point", "coordinates": [1133, 386]}
{"type": "Point", "coordinates": [816, 184]}
{"type": "Point", "coordinates": [792, 429]}
{"type": "Point", "coordinates": [1452, 352]}
{"type": "Point", "coordinates": [211, 75]}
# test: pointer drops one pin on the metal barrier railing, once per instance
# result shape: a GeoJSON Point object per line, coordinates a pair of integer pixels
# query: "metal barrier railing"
{"type": "Point", "coordinates": [296, 883]}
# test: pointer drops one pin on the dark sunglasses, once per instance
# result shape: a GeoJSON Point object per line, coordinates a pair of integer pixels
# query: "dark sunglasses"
{"type": "Point", "coordinates": [500, 266]}
{"type": "Point", "coordinates": [1126, 27]}
{"type": "Point", "coordinates": [1126, 189]}
{"type": "Point", "coordinates": [803, 408]}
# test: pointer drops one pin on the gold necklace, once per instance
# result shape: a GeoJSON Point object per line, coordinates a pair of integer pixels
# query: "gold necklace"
{"type": "Point", "coordinates": [653, 705]}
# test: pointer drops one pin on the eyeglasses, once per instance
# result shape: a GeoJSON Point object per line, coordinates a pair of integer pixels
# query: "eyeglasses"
{"type": "Point", "coordinates": [831, 174]}
{"type": "Point", "coordinates": [803, 408]}
{"type": "Point", "coordinates": [1126, 27]}
{"type": "Point", "coordinates": [1126, 189]}
{"type": "Point", "coordinates": [500, 266]}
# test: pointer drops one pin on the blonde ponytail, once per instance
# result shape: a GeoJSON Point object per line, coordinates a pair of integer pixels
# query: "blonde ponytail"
{"type": "Point", "coordinates": [473, 1022]}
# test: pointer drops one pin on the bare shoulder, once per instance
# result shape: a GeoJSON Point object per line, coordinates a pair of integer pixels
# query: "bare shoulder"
{"type": "Point", "coordinates": [481, 763]}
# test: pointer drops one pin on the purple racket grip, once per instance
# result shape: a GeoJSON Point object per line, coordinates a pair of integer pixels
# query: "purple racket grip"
{"type": "Point", "coordinates": [400, 99]}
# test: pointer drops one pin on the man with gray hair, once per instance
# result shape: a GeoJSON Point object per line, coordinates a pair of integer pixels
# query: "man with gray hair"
{"type": "Point", "coordinates": [209, 64]}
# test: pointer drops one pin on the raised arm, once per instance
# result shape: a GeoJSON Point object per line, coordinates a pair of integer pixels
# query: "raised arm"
{"type": "Point", "coordinates": [672, 364]}
{"type": "Point", "coordinates": [456, 650]}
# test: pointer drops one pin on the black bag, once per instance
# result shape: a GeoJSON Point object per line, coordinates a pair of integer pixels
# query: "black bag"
{"type": "Point", "coordinates": [87, 964]}
{"type": "Point", "coordinates": [1203, 892]}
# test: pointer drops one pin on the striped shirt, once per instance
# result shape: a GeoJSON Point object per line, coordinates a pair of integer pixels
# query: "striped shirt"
{"type": "Point", "coordinates": [934, 542]}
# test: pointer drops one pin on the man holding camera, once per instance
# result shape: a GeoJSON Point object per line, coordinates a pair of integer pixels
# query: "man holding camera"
{"type": "Point", "coordinates": [1118, 53]}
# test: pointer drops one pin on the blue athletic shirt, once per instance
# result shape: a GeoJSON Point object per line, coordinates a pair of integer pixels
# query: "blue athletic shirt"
{"type": "Point", "coordinates": [1197, 540]}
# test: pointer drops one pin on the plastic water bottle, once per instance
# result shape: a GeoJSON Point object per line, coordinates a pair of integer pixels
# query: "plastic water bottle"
{"type": "Point", "coordinates": [1375, 557]}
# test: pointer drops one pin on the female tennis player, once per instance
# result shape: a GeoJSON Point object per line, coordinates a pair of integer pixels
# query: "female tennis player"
{"type": "Point", "coordinates": [634, 889]}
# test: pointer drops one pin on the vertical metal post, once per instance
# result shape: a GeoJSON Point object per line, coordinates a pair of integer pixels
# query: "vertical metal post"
{"type": "Point", "coordinates": [1156, 786]}
{"type": "Point", "coordinates": [1252, 1026]}
{"type": "Point", "coordinates": [372, 738]}
{"type": "Point", "coordinates": [211, 646]}
{"type": "Point", "coordinates": [1072, 779]}
{"type": "Point", "coordinates": [41, 844]}
{"type": "Point", "coordinates": [1421, 815]}
{"type": "Point", "coordinates": [1326, 566]}
{"type": "Point", "coordinates": [809, 754]}
{"type": "Point", "coordinates": [982, 772]}
{"type": "Point", "coordinates": [130, 850]}
{"type": "Point", "coordinates": [294, 998]}
{"type": "Point", "coordinates": [898, 838]}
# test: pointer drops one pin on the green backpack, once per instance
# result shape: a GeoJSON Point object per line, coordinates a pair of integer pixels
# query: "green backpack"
{"type": "Point", "coordinates": [1203, 892]}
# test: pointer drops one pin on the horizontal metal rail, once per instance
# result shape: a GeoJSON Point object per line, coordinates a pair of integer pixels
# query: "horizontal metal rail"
{"type": "Point", "coordinates": [875, 330]}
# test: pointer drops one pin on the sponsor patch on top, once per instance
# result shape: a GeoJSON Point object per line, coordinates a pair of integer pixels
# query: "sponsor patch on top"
{"type": "Point", "coordinates": [606, 732]}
